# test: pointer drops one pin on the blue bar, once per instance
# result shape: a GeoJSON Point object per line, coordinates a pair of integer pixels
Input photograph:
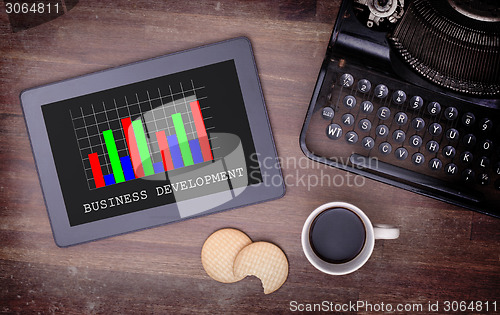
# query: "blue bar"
{"type": "Point", "coordinates": [175, 151]}
{"type": "Point", "coordinates": [128, 171]}
{"type": "Point", "coordinates": [158, 167]}
{"type": "Point", "coordinates": [194, 145]}
{"type": "Point", "coordinates": [109, 179]}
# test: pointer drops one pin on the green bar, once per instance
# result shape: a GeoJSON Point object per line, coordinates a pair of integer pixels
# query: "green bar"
{"type": "Point", "coordinates": [183, 140]}
{"type": "Point", "coordinates": [114, 159]}
{"type": "Point", "coordinates": [142, 145]}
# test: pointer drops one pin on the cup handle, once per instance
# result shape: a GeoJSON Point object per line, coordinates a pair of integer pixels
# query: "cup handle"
{"type": "Point", "coordinates": [385, 231]}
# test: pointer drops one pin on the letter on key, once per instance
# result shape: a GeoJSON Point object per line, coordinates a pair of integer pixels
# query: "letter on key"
{"type": "Point", "coordinates": [368, 143]}
{"type": "Point", "coordinates": [418, 158]}
{"type": "Point", "coordinates": [334, 131]}
{"type": "Point", "coordinates": [351, 137]}
{"type": "Point", "coordinates": [418, 123]}
{"type": "Point", "coordinates": [367, 107]}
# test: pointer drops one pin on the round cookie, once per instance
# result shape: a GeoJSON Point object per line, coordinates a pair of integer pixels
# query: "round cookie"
{"type": "Point", "coordinates": [264, 260]}
{"type": "Point", "coordinates": [219, 251]}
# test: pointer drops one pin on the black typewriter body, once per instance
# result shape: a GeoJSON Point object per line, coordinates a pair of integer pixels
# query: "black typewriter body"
{"type": "Point", "coordinates": [409, 95]}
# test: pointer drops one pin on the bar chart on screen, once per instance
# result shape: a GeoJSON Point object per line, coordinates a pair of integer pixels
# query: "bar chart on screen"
{"type": "Point", "coordinates": [136, 136]}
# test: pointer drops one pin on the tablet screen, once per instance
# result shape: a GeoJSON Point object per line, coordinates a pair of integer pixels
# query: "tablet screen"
{"type": "Point", "coordinates": [160, 141]}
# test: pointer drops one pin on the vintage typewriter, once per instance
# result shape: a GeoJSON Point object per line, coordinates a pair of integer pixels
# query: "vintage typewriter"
{"type": "Point", "coordinates": [409, 95]}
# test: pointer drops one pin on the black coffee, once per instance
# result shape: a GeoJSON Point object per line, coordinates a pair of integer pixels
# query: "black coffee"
{"type": "Point", "coordinates": [337, 235]}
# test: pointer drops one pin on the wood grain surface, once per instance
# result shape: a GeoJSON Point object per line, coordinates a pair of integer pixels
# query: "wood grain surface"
{"type": "Point", "coordinates": [444, 253]}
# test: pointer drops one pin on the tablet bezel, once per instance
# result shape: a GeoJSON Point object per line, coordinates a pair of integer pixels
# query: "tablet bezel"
{"type": "Point", "coordinates": [239, 50]}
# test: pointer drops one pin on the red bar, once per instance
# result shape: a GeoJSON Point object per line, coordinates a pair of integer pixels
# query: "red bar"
{"type": "Point", "coordinates": [132, 147]}
{"type": "Point", "coordinates": [96, 170]}
{"type": "Point", "coordinates": [165, 151]}
{"type": "Point", "coordinates": [201, 131]}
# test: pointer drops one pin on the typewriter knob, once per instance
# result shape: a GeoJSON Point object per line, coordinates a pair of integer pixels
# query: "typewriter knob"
{"type": "Point", "coordinates": [381, 11]}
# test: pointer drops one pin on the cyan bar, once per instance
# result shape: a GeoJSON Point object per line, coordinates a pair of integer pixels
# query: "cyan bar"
{"type": "Point", "coordinates": [128, 171]}
{"type": "Point", "coordinates": [194, 145]}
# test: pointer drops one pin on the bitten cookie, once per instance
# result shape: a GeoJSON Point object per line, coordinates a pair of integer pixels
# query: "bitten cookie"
{"type": "Point", "coordinates": [264, 260]}
{"type": "Point", "coordinates": [219, 252]}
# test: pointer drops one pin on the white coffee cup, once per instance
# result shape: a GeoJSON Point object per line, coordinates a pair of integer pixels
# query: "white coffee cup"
{"type": "Point", "coordinates": [371, 232]}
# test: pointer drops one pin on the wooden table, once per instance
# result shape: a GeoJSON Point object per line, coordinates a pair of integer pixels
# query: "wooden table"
{"type": "Point", "coordinates": [444, 253]}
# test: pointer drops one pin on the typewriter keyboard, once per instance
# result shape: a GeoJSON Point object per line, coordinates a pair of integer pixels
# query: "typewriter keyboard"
{"type": "Point", "coordinates": [408, 136]}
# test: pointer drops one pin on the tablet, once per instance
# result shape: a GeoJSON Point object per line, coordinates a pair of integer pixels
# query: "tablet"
{"type": "Point", "coordinates": [152, 142]}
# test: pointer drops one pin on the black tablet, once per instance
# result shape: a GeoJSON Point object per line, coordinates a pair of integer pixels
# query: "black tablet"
{"type": "Point", "coordinates": [152, 142]}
